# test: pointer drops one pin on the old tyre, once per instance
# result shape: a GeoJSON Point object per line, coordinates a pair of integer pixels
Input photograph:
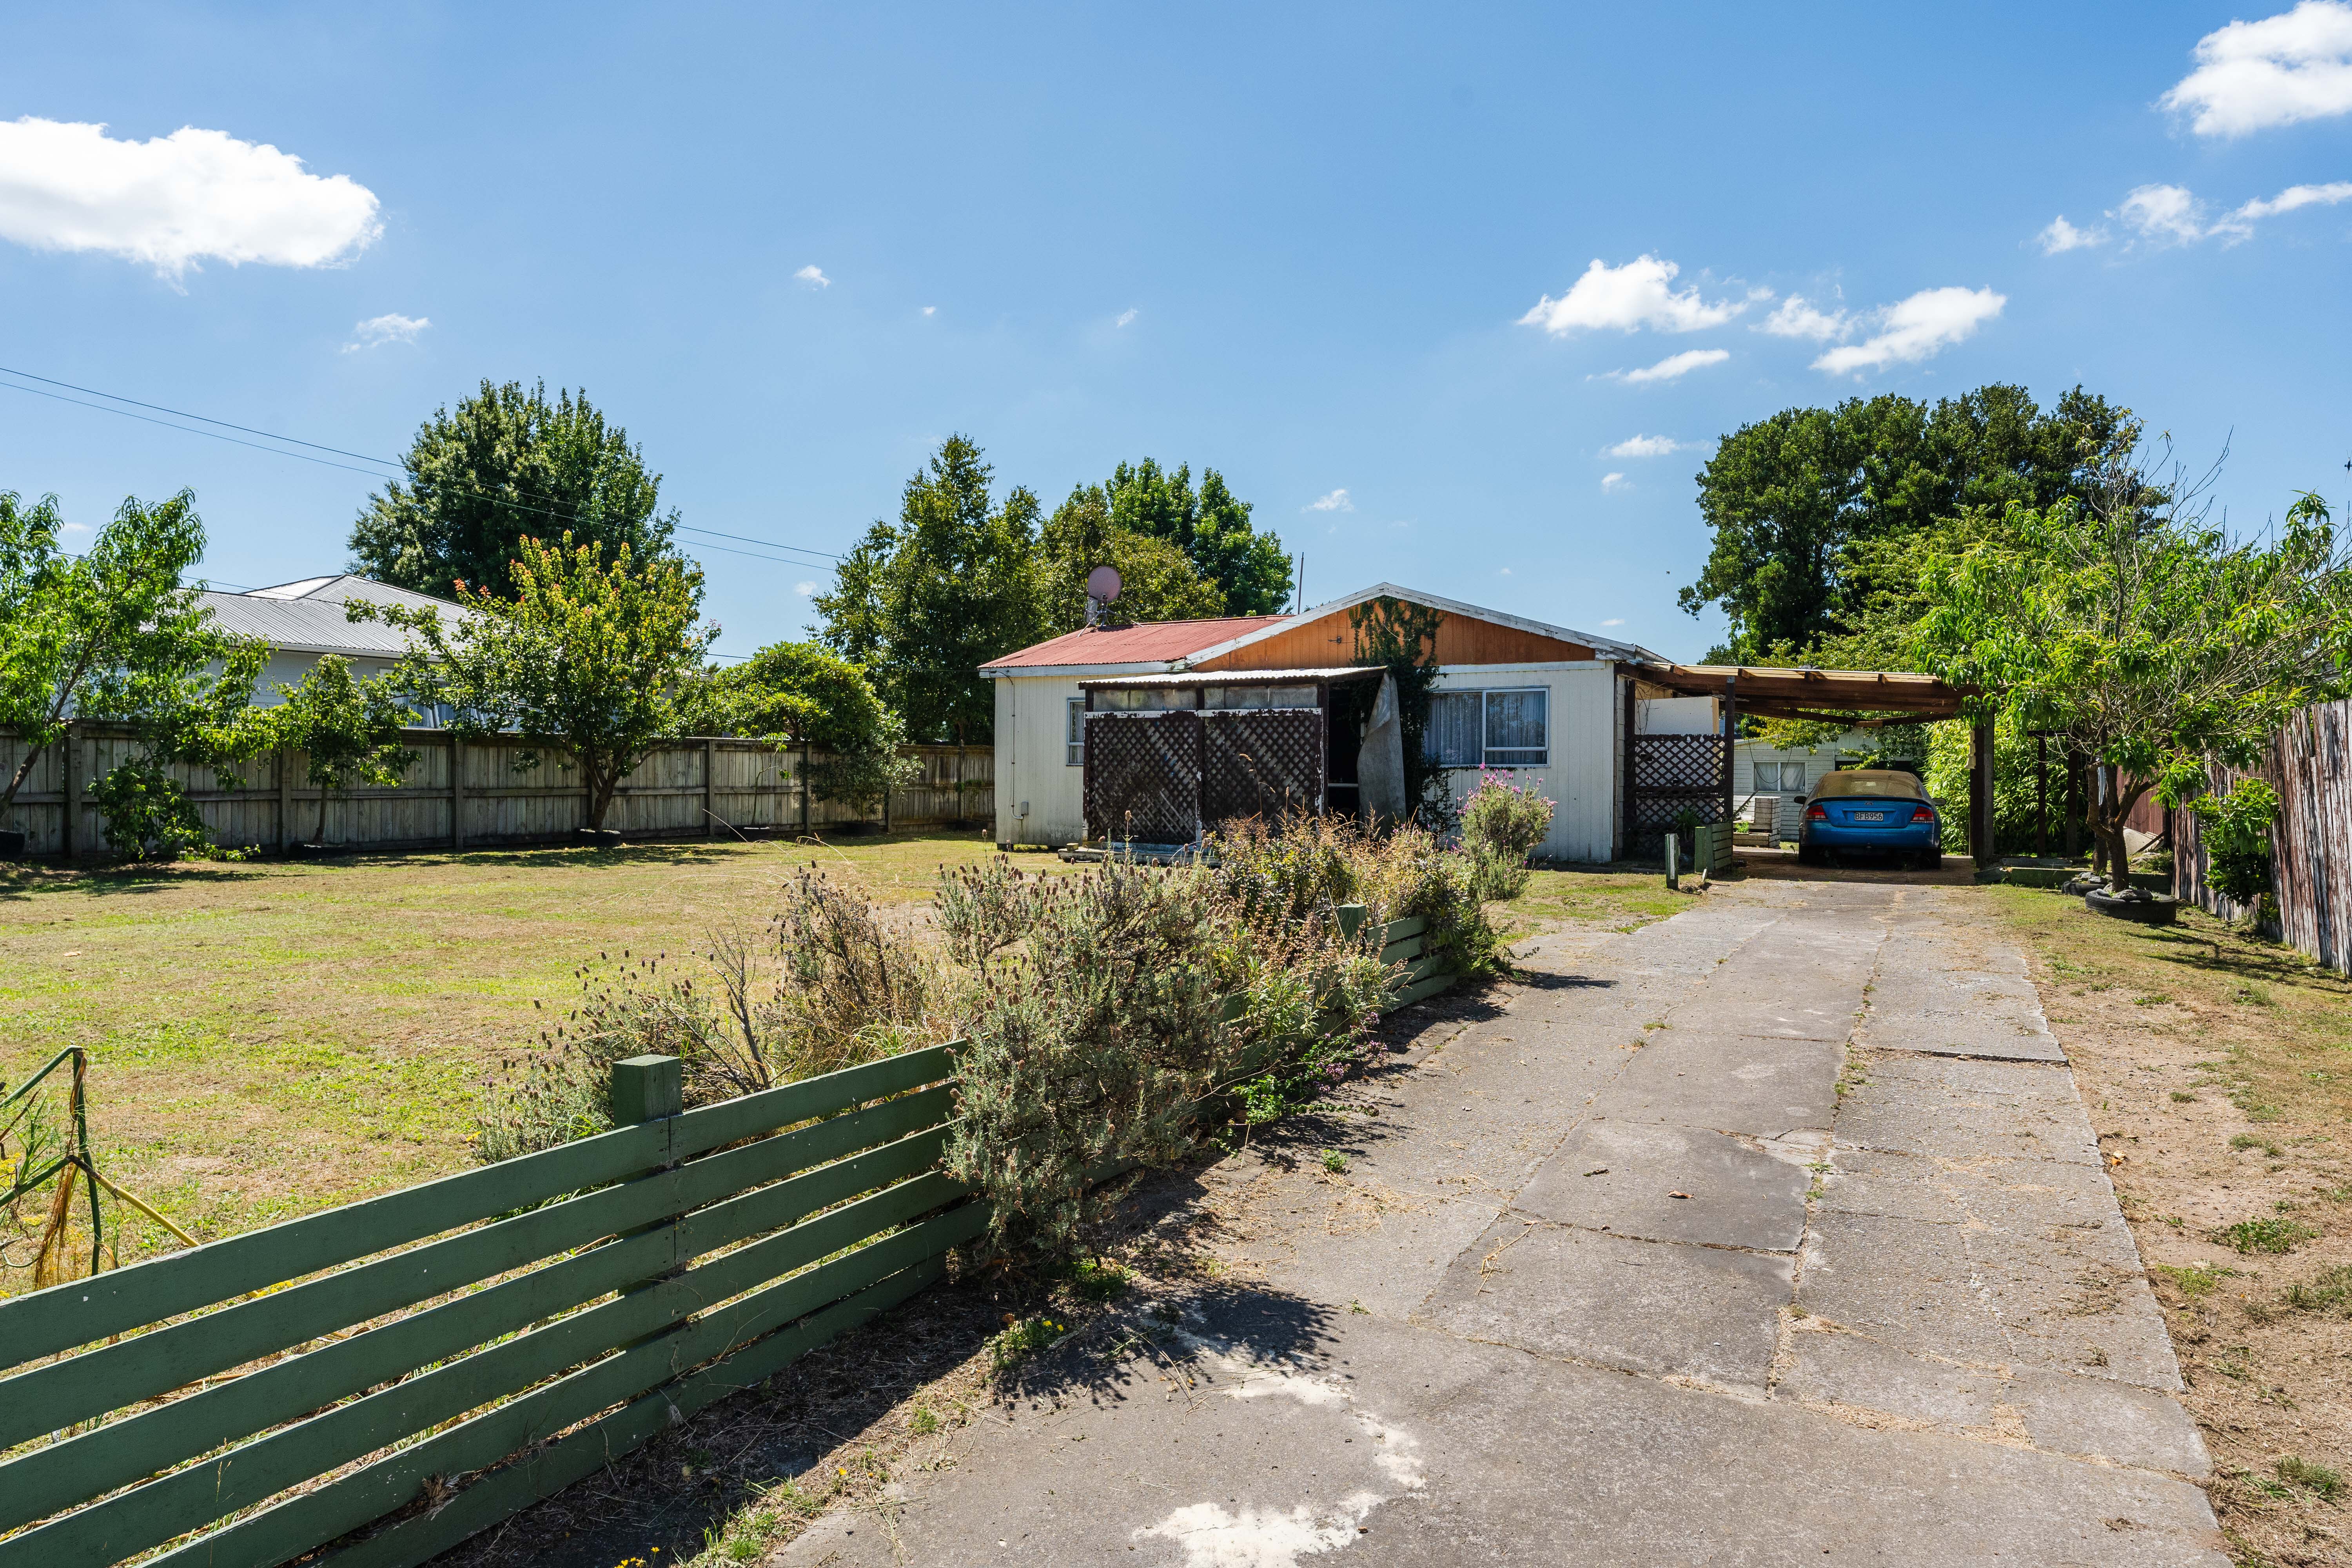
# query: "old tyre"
{"type": "Point", "coordinates": [2147, 909]}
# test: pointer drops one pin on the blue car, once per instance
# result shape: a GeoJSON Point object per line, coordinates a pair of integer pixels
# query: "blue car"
{"type": "Point", "coordinates": [1878, 811]}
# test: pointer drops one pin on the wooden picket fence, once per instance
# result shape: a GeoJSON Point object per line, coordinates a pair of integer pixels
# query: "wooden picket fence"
{"type": "Point", "coordinates": [387, 1378]}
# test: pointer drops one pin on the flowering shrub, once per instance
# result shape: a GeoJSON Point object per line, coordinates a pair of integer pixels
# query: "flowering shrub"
{"type": "Point", "coordinates": [1502, 823]}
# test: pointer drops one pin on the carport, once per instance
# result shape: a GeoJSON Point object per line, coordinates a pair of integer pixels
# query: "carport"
{"type": "Point", "coordinates": [1827, 696]}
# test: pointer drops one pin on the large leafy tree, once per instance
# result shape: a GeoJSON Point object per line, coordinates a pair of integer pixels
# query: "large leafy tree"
{"type": "Point", "coordinates": [1819, 513]}
{"type": "Point", "coordinates": [116, 634]}
{"type": "Point", "coordinates": [508, 463]}
{"type": "Point", "coordinates": [922, 602]}
{"type": "Point", "coordinates": [596, 659]}
{"type": "Point", "coordinates": [2152, 641]}
{"type": "Point", "coordinates": [1158, 581]}
{"type": "Point", "coordinates": [1211, 526]}
{"type": "Point", "coordinates": [800, 694]}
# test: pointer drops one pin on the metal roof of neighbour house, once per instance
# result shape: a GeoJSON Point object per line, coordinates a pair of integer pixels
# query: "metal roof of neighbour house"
{"type": "Point", "coordinates": [308, 617]}
{"type": "Point", "coordinates": [1146, 643]}
{"type": "Point", "coordinates": [1806, 693]}
{"type": "Point", "coordinates": [1230, 678]}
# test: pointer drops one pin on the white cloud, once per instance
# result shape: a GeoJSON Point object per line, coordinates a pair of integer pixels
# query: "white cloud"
{"type": "Point", "coordinates": [2164, 214]}
{"type": "Point", "coordinates": [2062, 236]}
{"type": "Point", "coordinates": [1126, 317]}
{"type": "Point", "coordinates": [1645, 447]}
{"type": "Point", "coordinates": [1796, 318]}
{"type": "Point", "coordinates": [1614, 621]}
{"type": "Point", "coordinates": [1503, 572]}
{"type": "Point", "coordinates": [75, 528]}
{"type": "Point", "coordinates": [1926, 323]}
{"type": "Point", "coordinates": [1629, 298]}
{"type": "Point", "coordinates": [1668, 368]}
{"type": "Point", "coordinates": [930, 310]}
{"type": "Point", "coordinates": [174, 201]}
{"type": "Point", "coordinates": [2251, 76]}
{"type": "Point", "coordinates": [1614, 482]}
{"type": "Point", "coordinates": [1336, 502]}
{"type": "Point", "coordinates": [2288, 200]}
{"type": "Point", "coordinates": [805, 589]}
{"type": "Point", "coordinates": [813, 276]}
{"type": "Point", "coordinates": [390, 328]}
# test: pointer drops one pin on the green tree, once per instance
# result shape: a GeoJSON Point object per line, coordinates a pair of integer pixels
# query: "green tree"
{"type": "Point", "coordinates": [347, 730]}
{"type": "Point", "coordinates": [797, 693]}
{"type": "Point", "coordinates": [1816, 512]}
{"type": "Point", "coordinates": [922, 602]}
{"type": "Point", "coordinates": [115, 633]}
{"type": "Point", "coordinates": [2153, 640]}
{"type": "Point", "coordinates": [596, 659]}
{"type": "Point", "coordinates": [507, 465]}
{"type": "Point", "coordinates": [1158, 580]}
{"type": "Point", "coordinates": [1211, 526]}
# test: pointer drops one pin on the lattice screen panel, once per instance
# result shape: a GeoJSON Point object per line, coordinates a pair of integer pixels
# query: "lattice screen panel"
{"type": "Point", "coordinates": [1261, 764]}
{"type": "Point", "coordinates": [1143, 776]}
{"type": "Point", "coordinates": [1675, 774]}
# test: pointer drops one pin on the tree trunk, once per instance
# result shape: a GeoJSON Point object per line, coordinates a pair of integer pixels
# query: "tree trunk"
{"type": "Point", "coordinates": [16, 781]}
{"type": "Point", "coordinates": [600, 785]}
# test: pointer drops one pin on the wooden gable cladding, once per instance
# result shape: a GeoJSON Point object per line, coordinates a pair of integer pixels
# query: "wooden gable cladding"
{"type": "Point", "coordinates": [1460, 639]}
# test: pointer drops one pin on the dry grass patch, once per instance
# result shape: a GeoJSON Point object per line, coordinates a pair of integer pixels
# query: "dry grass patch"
{"type": "Point", "coordinates": [2218, 1072]}
{"type": "Point", "coordinates": [272, 1038]}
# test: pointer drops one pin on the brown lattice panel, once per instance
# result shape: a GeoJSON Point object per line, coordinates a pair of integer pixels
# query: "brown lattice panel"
{"type": "Point", "coordinates": [1260, 763]}
{"type": "Point", "coordinates": [1675, 774]}
{"type": "Point", "coordinates": [1143, 776]}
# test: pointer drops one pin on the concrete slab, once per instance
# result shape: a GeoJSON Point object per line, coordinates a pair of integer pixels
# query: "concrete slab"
{"type": "Point", "coordinates": [1731, 1083]}
{"type": "Point", "coordinates": [1930, 1289]}
{"type": "Point", "coordinates": [1894, 1112]}
{"type": "Point", "coordinates": [2108, 1420]}
{"type": "Point", "coordinates": [1860, 1372]}
{"type": "Point", "coordinates": [1625, 1177]}
{"type": "Point", "coordinates": [1782, 1012]}
{"type": "Point", "coordinates": [1682, 1312]}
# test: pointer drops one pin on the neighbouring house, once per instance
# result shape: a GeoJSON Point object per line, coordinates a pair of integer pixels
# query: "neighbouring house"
{"type": "Point", "coordinates": [305, 620]}
{"type": "Point", "coordinates": [1212, 719]}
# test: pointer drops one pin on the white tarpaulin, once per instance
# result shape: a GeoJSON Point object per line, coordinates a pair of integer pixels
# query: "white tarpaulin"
{"type": "Point", "coordinates": [1380, 766]}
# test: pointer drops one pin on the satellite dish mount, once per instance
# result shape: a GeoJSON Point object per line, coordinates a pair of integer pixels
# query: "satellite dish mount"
{"type": "Point", "coordinates": [1102, 587]}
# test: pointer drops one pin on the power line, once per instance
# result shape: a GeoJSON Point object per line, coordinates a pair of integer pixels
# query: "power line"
{"type": "Point", "coordinates": [419, 484]}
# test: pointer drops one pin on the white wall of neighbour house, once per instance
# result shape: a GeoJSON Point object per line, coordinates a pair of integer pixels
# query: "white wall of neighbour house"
{"type": "Point", "coordinates": [1032, 763]}
{"type": "Point", "coordinates": [1678, 716]}
{"type": "Point", "coordinates": [1815, 760]}
{"type": "Point", "coordinates": [1582, 775]}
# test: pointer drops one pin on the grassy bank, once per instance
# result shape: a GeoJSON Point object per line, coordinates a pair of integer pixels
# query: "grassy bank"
{"type": "Point", "coordinates": [2218, 1072]}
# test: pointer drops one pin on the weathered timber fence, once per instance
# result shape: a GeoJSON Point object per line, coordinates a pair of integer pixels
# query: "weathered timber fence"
{"type": "Point", "coordinates": [487, 1339]}
{"type": "Point", "coordinates": [473, 796]}
{"type": "Point", "coordinates": [2309, 763]}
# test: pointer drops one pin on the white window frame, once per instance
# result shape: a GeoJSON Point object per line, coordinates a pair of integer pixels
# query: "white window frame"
{"type": "Point", "coordinates": [1074, 750]}
{"type": "Point", "coordinates": [1486, 762]}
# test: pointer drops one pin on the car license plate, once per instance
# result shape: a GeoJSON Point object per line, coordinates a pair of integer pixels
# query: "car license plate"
{"type": "Point", "coordinates": [1869, 816]}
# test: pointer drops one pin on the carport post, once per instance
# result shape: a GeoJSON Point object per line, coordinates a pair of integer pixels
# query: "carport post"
{"type": "Point", "coordinates": [1730, 735]}
{"type": "Point", "coordinates": [1981, 844]}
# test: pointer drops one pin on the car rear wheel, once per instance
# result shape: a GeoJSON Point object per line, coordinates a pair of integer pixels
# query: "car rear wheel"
{"type": "Point", "coordinates": [1931, 859]}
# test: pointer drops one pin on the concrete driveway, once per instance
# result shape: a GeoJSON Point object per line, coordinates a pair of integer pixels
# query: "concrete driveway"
{"type": "Point", "coordinates": [1774, 1233]}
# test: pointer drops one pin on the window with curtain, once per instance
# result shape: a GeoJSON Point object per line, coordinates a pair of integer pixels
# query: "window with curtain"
{"type": "Point", "coordinates": [1767, 778]}
{"type": "Point", "coordinates": [1792, 778]}
{"type": "Point", "coordinates": [1454, 736]}
{"type": "Point", "coordinates": [1517, 733]}
{"type": "Point", "coordinates": [1489, 728]}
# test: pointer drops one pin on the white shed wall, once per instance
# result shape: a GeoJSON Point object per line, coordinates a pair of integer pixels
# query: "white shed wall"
{"type": "Point", "coordinates": [1032, 762]}
{"type": "Point", "coordinates": [1582, 779]}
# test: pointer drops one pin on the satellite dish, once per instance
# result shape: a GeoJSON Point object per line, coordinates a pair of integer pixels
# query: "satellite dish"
{"type": "Point", "coordinates": [1103, 584]}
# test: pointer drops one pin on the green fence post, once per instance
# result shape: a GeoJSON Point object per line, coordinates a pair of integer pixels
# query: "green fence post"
{"type": "Point", "coordinates": [647, 1088]}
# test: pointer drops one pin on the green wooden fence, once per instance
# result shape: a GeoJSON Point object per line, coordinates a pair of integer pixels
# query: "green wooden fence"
{"type": "Point", "coordinates": [448, 1354]}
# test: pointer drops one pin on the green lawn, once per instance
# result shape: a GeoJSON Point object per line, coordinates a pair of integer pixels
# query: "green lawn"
{"type": "Point", "coordinates": [271, 1038]}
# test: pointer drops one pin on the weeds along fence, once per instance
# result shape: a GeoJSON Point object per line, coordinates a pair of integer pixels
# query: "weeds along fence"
{"type": "Point", "coordinates": [459, 796]}
{"type": "Point", "coordinates": [2309, 763]}
{"type": "Point", "coordinates": [376, 1382]}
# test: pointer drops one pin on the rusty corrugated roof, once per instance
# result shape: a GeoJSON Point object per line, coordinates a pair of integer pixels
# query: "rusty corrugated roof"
{"type": "Point", "coordinates": [1148, 642]}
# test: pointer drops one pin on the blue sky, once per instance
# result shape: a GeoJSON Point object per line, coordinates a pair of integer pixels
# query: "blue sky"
{"type": "Point", "coordinates": [1323, 250]}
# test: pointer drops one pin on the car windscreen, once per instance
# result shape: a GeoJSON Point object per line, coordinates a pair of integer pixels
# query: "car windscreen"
{"type": "Point", "coordinates": [1888, 783]}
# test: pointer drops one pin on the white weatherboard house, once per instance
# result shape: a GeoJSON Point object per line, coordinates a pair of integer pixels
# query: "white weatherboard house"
{"type": "Point", "coordinates": [1549, 706]}
{"type": "Point", "coordinates": [303, 621]}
